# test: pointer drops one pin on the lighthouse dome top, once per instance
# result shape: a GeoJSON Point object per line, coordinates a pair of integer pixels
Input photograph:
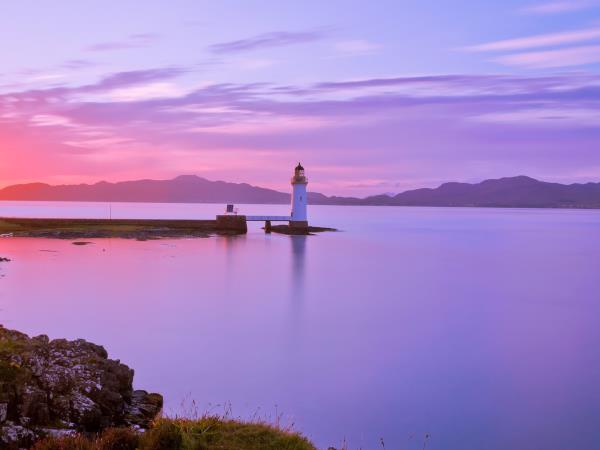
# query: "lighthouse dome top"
{"type": "Point", "coordinates": [299, 176]}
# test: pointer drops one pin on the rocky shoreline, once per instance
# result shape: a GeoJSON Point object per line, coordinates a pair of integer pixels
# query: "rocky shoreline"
{"type": "Point", "coordinates": [57, 387]}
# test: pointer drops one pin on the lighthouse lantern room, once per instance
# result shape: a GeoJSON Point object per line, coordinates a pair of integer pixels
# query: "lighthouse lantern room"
{"type": "Point", "coordinates": [299, 218]}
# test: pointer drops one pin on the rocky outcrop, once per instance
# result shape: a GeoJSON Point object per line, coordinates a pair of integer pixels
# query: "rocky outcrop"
{"type": "Point", "coordinates": [298, 231]}
{"type": "Point", "coordinates": [60, 386]}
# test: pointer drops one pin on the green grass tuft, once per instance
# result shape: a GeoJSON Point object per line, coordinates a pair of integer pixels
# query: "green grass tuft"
{"type": "Point", "coordinates": [205, 433]}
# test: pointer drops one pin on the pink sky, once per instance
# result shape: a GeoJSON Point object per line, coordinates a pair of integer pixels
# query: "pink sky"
{"type": "Point", "coordinates": [364, 110]}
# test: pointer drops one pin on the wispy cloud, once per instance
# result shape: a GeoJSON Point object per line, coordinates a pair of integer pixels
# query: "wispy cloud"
{"type": "Point", "coordinates": [146, 92]}
{"type": "Point", "coordinates": [44, 77]}
{"type": "Point", "coordinates": [384, 122]}
{"type": "Point", "coordinates": [557, 7]}
{"type": "Point", "coordinates": [545, 117]}
{"type": "Point", "coordinates": [77, 64]}
{"type": "Point", "coordinates": [115, 82]}
{"type": "Point", "coordinates": [135, 77]}
{"type": "Point", "coordinates": [540, 40]}
{"type": "Point", "coordinates": [563, 57]}
{"type": "Point", "coordinates": [133, 41]}
{"type": "Point", "coordinates": [397, 82]}
{"type": "Point", "coordinates": [251, 63]}
{"type": "Point", "coordinates": [49, 120]}
{"type": "Point", "coordinates": [266, 40]}
{"type": "Point", "coordinates": [356, 47]}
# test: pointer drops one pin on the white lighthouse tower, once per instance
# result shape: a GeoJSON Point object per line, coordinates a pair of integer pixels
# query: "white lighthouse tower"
{"type": "Point", "coordinates": [299, 217]}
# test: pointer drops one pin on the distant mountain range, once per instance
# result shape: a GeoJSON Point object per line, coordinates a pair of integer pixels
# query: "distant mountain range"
{"type": "Point", "coordinates": [512, 192]}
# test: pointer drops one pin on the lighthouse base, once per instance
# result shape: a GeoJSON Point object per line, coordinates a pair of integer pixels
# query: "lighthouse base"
{"type": "Point", "coordinates": [298, 231]}
{"type": "Point", "coordinates": [299, 224]}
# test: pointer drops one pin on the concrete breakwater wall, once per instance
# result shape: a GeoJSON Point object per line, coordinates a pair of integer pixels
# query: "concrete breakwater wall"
{"type": "Point", "coordinates": [125, 228]}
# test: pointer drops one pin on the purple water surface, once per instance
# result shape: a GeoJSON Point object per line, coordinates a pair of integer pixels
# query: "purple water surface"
{"type": "Point", "coordinates": [478, 326]}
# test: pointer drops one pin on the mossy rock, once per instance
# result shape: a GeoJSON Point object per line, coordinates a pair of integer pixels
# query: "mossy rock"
{"type": "Point", "coordinates": [48, 386]}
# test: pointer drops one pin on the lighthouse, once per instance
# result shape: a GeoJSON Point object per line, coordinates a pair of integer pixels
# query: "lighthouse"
{"type": "Point", "coordinates": [299, 217]}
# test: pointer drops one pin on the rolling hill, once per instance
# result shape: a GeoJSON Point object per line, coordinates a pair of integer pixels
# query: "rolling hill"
{"type": "Point", "coordinates": [513, 192]}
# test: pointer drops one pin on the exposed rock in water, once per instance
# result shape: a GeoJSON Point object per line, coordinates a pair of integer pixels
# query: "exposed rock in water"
{"type": "Point", "coordinates": [60, 386]}
{"type": "Point", "coordinates": [286, 229]}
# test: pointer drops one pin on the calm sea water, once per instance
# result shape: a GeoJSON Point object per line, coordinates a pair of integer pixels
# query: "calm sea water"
{"type": "Point", "coordinates": [479, 327]}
